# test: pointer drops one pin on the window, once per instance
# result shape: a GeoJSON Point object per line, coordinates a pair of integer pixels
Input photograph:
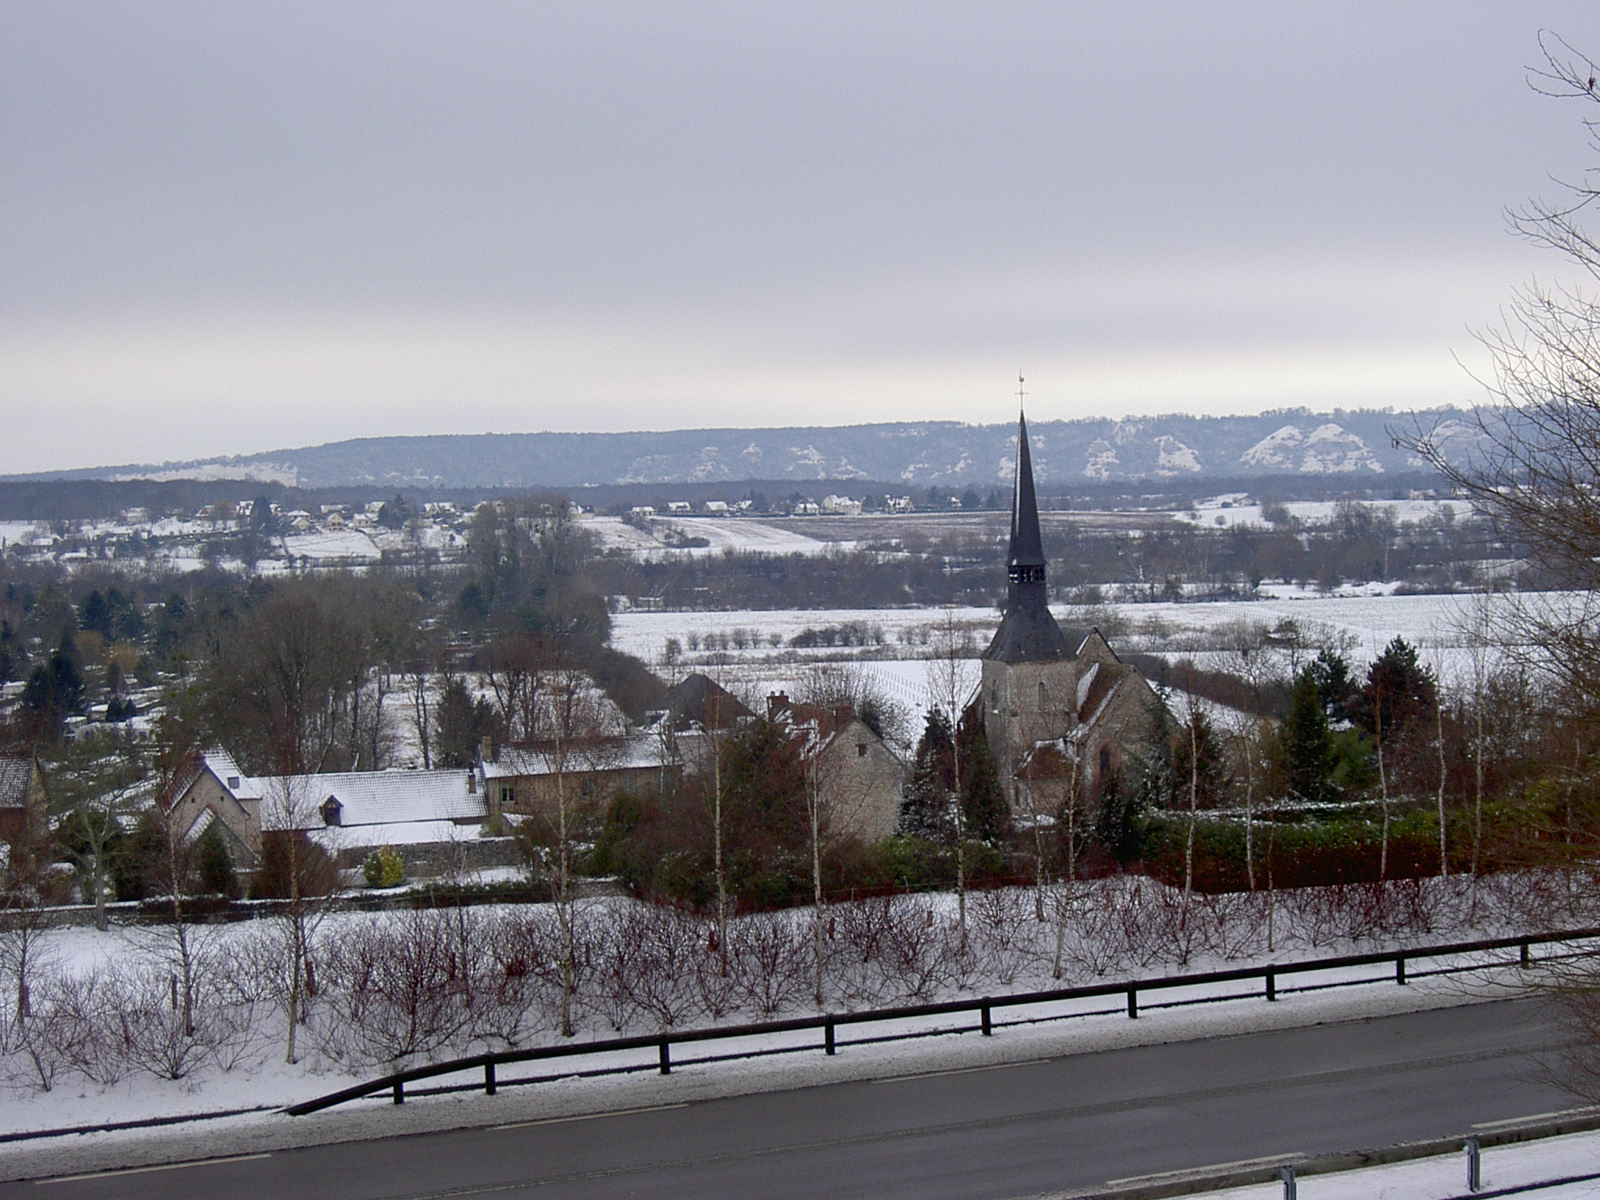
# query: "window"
{"type": "Point", "coordinates": [861, 749]}
{"type": "Point", "coordinates": [1044, 697]}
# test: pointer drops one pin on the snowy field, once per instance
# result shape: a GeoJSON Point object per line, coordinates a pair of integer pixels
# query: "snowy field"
{"type": "Point", "coordinates": [751, 649]}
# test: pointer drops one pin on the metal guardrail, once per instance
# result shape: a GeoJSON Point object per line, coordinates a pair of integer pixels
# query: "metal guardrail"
{"type": "Point", "coordinates": [1269, 977]}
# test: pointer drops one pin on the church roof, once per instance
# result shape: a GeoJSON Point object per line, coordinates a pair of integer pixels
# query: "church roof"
{"type": "Point", "coordinates": [1027, 633]}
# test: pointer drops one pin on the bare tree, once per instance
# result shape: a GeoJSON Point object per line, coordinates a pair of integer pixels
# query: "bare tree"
{"type": "Point", "coordinates": [1529, 458]}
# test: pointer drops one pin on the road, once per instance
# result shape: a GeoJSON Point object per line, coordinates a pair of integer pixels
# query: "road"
{"type": "Point", "coordinates": [1017, 1129]}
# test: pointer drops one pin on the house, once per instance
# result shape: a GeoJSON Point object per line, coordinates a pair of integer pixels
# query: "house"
{"type": "Point", "coordinates": [699, 702]}
{"type": "Point", "coordinates": [858, 779]}
{"type": "Point", "coordinates": [424, 814]}
{"type": "Point", "coordinates": [1060, 710]}
{"type": "Point", "coordinates": [537, 779]}
{"type": "Point", "coordinates": [22, 800]}
{"type": "Point", "coordinates": [842, 506]}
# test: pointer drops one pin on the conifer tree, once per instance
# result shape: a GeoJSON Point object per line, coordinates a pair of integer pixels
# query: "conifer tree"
{"type": "Point", "coordinates": [987, 816]}
{"type": "Point", "coordinates": [925, 810]}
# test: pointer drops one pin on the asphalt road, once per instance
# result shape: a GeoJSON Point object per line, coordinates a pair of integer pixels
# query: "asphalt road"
{"type": "Point", "coordinates": [1017, 1129]}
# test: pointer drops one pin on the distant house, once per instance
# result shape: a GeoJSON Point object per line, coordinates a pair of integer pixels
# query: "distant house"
{"type": "Point", "coordinates": [22, 800]}
{"type": "Point", "coordinates": [842, 506]}
{"type": "Point", "coordinates": [679, 507]}
{"type": "Point", "coordinates": [717, 508]}
{"type": "Point", "coordinates": [858, 778]}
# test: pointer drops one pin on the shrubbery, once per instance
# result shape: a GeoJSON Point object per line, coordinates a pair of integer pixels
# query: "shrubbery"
{"type": "Point", "coordinates": [384, 868]}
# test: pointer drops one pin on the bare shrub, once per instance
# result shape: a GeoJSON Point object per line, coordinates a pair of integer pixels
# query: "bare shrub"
{"type": "Point", "coordinates": [510, 990]}
{"type": "Point", "coordinates": [769, 963]}
{"type": "Point", "coordinates": [397, 989]}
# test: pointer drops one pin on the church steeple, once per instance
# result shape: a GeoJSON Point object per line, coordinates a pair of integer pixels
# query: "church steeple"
{"type": "Point", "coordinates": [1027, 633]}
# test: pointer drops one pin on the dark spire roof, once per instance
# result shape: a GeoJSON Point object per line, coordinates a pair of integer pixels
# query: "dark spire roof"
{"type": "Point", "coordinates": [1027, 633]}
{"type": "Point", "coordinates": [1026, 557]}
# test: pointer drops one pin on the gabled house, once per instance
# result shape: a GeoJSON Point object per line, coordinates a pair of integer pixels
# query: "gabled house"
{"type": "Point", "coordinates": [858, 779]}
{"type": "Point", "coordinates": [348, 812]}
{"type": "Point", "coordinates": [22, 800]}
{"type": "Point", "coordinates": [585, 774]}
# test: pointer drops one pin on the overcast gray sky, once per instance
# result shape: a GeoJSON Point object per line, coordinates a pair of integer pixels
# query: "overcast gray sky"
{"type": "Point", "coordinates": [231, 227]}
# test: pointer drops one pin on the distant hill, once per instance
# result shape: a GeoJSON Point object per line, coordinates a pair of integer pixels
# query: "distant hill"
{"type": "Point", "coordinates": [917, 453]}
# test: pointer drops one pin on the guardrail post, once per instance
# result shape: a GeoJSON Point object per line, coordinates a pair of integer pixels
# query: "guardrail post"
{"type": "Point", "coordinates": [987, 1020]}
{"type": "Point", "coordinates": [399, 1092]}
{"type": "Point", "coordinates": [827, 1036]}
{"type": "Point", "coordinates": [1524, 954]}
{"type": "Point", "coordinates": [1400, 969]}
{"type": "Point", "coordinates": [1287, 1175]}
{"type": "Point", "coordinates": [1474, 1149]}
{"type": "Point", "coordinates": [1133, 1002]}
{"type": "Point", "coordinates": [1272, 984]}
{"type": "Point", "coordinates": [666, 1058]}
{"type": "Point", "coordinates": [488, 1079]}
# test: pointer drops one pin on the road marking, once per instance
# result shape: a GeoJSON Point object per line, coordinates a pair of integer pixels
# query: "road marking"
{"type": "Point", "coordinates": [1027, 1062]}
{"type": "Point", "coordinates": [621, 1112]}
{"type": "Point", "coordinates": [1243, 1164]}
{"type": "Point", "coordinates": [199, 1162]}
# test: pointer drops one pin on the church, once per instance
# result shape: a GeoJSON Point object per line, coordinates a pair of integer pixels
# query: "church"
{"type": "Point", "coordinates": [1060, 709]}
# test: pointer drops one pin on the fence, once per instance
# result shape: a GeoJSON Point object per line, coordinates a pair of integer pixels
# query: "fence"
{"type": "Point", "coordinates": [1132, 996]}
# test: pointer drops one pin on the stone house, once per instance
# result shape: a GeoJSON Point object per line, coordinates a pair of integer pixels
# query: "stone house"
{"type": "Point", "coordinates": [429, 816]}
{"type": "Point", "coordinates": [22, 800]}
{"type": "Point", "coordinates": [859, 780]}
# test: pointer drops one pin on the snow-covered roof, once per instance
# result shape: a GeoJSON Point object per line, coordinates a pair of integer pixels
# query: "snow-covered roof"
{"type": "Point", "coordinates": [369, 798]}
{"type": "Point", "coordinates": [16, 776]}
{"type": "Point", "coordinates": [612, 754]}
{"type": "Point", "coordinates": [365, 797]}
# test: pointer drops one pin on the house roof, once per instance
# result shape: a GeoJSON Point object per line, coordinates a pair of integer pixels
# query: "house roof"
{"type": "Point", "coordinates": [607, 754]}
{"type": "Point", "coordinates": [365, 797]}
{"type": "Point", "coordinates": [699, 700]}
{"type": "Point", "coordinates": [16, 779]}
{"type": "Point", "coordinates": [369, 798]}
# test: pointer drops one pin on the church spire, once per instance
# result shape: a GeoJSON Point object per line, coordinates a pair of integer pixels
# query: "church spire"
{"type": "Point", "coordinates": [1027, 633]}
{"type": "Point", "coordinates": [1025, 561]}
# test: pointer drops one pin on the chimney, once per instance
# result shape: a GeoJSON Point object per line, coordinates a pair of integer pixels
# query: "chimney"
{"type": "Point", "coordinates": [777, 702]}
{"type": "Point", "coordinates": [486, 749]}
{"type": "Point", "coordinates": [472, 782]}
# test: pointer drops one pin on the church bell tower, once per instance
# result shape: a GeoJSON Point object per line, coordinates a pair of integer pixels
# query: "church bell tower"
{"type": "Point", "coordinates": [1029, 671]}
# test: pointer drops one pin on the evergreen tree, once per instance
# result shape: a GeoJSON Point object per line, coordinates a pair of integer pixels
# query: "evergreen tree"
{"type": "Point", "coordinates": [460, 723]}
{"type": "Point", "coordinates": [925, 810]}
{"type": "Point", "coordinates": [1200, 777]}
{"type": "Point", "coordinates": [1336, 686]}
{"type": "Point", "coordinates": [1305, 744]}
{"type": "Point", "coordinates": [1399, 693]}
{"type": "Point", "coordinates": [1120, 826]}
{"type": "Point", "coordinates": [214, 865]}
{"type": "Point", "coordinates": [987, 816]}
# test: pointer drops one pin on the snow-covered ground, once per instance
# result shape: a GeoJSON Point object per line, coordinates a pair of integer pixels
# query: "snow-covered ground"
{"type": "Point", "coordinates": [1445, 1177]}
{"type": "Point", "coordinates": [751, 649]}
{"type": "Point", "coordinates": [665, 536]}
{"type": "Point", "coordinates": [1228, 511]}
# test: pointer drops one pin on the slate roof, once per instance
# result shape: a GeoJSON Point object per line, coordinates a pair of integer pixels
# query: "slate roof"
{"type": "Point", "coordinates": [16, 777]}
{"type": "Point", "coordinates": [611, 754]}
{"type": "Point", "coordinates": [369, 798]}
{"type": "Point", "coordinates": [1027, 633]}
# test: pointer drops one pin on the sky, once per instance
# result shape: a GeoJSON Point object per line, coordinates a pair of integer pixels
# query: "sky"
{"type": "Point", "coordinates": [227, 228]}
